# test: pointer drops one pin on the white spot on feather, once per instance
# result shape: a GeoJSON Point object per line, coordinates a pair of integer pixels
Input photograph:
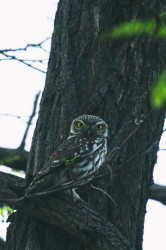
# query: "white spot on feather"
{"type": "Point", "coordinates": [95, 146]}
{"type": "Point", "coordinates": [56, 161]}
{"type": "Point", "coordinates": [81, 150]}
{"type": "Point", "coordinates": [97, 140]}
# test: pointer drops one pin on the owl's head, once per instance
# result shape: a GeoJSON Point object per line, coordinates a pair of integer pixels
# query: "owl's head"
{"type": "Point", "coordinates": [89, 125]}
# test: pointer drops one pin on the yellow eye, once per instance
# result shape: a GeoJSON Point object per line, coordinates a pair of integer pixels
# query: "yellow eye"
{"type": "Point", "coordinates": [99, 126]}
{"type": "Point", "coordinates": [80, 125]}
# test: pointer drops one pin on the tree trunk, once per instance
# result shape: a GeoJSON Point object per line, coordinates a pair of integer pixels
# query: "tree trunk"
{"type": "Point", "coordinates": [110, 79]}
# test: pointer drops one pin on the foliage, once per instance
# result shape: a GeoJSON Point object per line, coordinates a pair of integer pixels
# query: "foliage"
{"type": "Point", "coordinates": [137, 27]}
{"type": "Point", "coordinates": [5, 211]}
{"type": "Point", "coordinates": [10, 159]}
{"type": "Point", "coordinates": [162, 14]}
{"type": "Point", "coordinates": [148, 28]}
{"type": "Point", "coordinates": [158, 91]}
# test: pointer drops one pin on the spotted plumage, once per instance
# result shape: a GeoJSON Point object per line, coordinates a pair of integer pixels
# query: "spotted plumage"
{"type": "Point", "coordinates": [76, 161]}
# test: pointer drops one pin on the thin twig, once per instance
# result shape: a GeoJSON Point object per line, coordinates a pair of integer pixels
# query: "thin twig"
{"type": "Point", "coordinates": [30, 65]}
{"type": "Point", "coordinates": [11, 115]}
{"type": "Point", "coordinates": [7, 56]}
{"type": "Point", "coordinates": [22, 145]}
{"type": "Point", "coordinates": [138, 123]}
{"type": "Point", "coordinates": [104, 192]}
{"type": "Point", "coordinates": [144, 150]}
{"type": "Point", "coordinates": [21, 118]}
{"type": "Point", "coordinates": [25, 60]}
{"type": "Point", "coordinates": [22, 61]}
{"type": "Point", "coordinates": [29, 45]}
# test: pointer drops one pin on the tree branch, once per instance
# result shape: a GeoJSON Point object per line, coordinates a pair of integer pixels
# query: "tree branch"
{"type": "Point", "coordinates": [67, 215]}
{"type": "Point", "coordinates": [72, 218]}
{"type": "Point", "coordinates": [14, 158]}
{"type": "Point", "coordinates": [29, 45]}
{"type": "Point", "coordinates": [7, 56]}
{"type": "Point", "coordinates": [17, 158]}
{"type": "Point", "coordinates": [56, 212]}
{"type": "Point", "coordinates": [11, 186]}
{"type": "Point", "coordinates": [158, 193]}
{"type": "Point", "coordinates": [14, 116]}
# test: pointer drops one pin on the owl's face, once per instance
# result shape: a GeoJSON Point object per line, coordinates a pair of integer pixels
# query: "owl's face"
{"type": "Point", "coordinates": [89, 125]}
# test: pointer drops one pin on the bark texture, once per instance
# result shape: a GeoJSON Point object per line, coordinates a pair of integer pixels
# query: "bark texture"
{"type": "Point", "coordinates": [110, 79]}
{"type": "Point", "coordinates": [2, 244]}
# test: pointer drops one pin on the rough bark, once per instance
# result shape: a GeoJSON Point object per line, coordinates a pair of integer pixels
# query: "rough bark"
{"type": "Point", "coordinates": [84, 224]}
{"type": "Point", "coordinates": [55, 212]}
{"type": "Point", "coordinates": [11, 186]}
{"type": "Point", "coordinates": [110, 79]}
{"type": "Point", "coordinates": [2, 244]}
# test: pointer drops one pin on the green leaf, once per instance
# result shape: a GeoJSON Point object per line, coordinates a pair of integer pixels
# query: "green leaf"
{"type": "Point", "coordinates": [17, 171]}
{"type": "Point", "coordinates": [10, 159]}
{"type": "Point", "coordinates": [1, 211]}
{"type": "Point", "coordinates": [162, 31]}
{"type": "Point", "coordinates": [137, 27]}
{"type": "Point", "coordinates": [4, 212]}
{"type": "Point", "coordinates": [158, 91]}
{"type": "Point", "coordinates": [9, 210]}
{"type": "Point", "coordinates": [162, 14]}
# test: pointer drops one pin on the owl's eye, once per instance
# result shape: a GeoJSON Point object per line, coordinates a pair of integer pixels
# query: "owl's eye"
{"type": "Point", "coordinates": [99, 126]}
{"type": "Point", "coordinates": [80, 125]}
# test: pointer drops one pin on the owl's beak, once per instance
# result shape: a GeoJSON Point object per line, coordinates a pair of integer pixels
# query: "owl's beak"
{"type": "Point", "coordinates": [89, 132]}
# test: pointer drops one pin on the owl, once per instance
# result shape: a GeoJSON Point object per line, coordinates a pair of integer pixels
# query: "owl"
{"type": "Point", "coordinates": [76, 161]}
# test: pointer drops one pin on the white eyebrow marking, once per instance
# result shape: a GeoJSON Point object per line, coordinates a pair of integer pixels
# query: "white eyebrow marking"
{"type": "Point", "coordinates": [99, 123]}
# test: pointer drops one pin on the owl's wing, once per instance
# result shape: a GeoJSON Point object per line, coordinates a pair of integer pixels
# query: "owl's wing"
{"type": "Point", "coordinates": [62, 169]}
{"type": "Point", "coordinates": [41, 180]}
